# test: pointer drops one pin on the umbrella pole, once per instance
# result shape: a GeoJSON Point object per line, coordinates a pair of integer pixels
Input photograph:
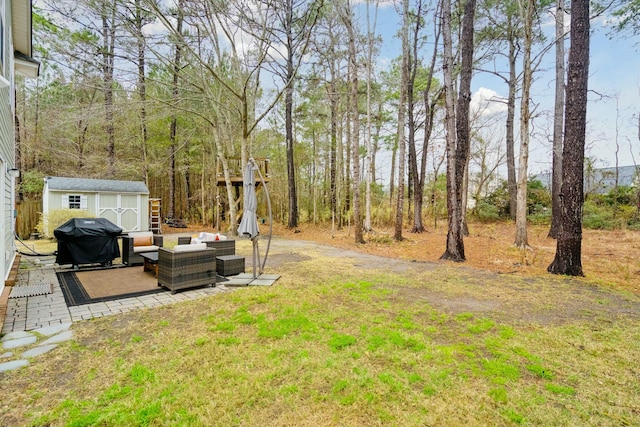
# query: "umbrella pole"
{"type": "Point", "coordinates": [256, 255]}
{"type": "Point", "coordinates": [266, 193]}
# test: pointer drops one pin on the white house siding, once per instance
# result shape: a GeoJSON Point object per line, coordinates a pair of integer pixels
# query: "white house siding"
{"type": "Point", "coordinates": [7, 148]}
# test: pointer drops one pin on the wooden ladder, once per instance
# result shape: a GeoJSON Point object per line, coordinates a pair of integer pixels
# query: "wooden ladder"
{"type": "Point", "coordinates": [155, 218]}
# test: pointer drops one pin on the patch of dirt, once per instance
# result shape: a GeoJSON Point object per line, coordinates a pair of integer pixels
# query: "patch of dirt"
{"type": "Point", "coordinates": [496, 278]}
{"type": "Point", "coordinates": [608, 257]}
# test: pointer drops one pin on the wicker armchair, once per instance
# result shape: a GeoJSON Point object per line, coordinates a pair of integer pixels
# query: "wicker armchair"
{"type": "Point", "coordinates": [136, 243]}
{"type": "Point", "coordinates": [186, 266]}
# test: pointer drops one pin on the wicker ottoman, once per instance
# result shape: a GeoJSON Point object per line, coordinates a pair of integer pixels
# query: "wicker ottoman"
{"type": "Point", "coordinates": [229, 265]}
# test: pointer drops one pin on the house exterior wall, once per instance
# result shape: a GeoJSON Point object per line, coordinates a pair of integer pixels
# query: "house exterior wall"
{"type": "Point", "coordinates": [7, 143]}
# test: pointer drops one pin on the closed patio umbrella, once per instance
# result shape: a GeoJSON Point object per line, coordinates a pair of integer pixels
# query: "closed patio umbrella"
{"type": "Point", "coordinates": [249, 224]}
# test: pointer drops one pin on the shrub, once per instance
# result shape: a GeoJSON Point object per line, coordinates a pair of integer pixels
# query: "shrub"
{"type": "Point", "coordinates": [621, 195]}
{"type": "Point", "coordinates": [499, 199]}
{"type": "Point", "coordinates": [633, 223]}
{"type": "Point", "coordinates": [56, 218]}
{"type": "Point", "coordinates": [538, 198]}
{"type": "Point", "coordinates": [31, 183]}
{"type": "Point", "coordinates": [613, 210]}
{"type": "Point", "coordinates": [487, 212]}
{"type": "Point", "coordinates": [495, 205]}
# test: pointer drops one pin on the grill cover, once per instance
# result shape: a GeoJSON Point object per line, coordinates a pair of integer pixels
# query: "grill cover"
{"type": "Point", "coordinates": [87, 241]}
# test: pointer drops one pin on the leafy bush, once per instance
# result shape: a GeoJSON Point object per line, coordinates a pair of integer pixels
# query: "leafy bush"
{"type": "Point", "coordinates": [595, 217]}
{"type": "Point", "coordinates": [604, 217]}
{"type": "Point", "coordinates": [538, 198]}
{"type": "Point", "coordinates": [499, 199]}
{"type": "Point", "coordinates": [621, 195]}
{"type": "Point", "coordinates": [541, 215]}
{"type": "Point", "coordinates": [32, 183]}
{"type": "Point", "coordinates": [497, 203]}
{"type": "Point", "coordinates": [613, 210]}
{"type": "Point", "coordinates": [487, 212]}
{"type": "Point", "coordinates": [633, 223]}
{"type": "Point", "coordinates": [56, 218]}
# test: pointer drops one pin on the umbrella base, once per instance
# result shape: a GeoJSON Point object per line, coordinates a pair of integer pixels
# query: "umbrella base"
{"type": "Point", "coordinates": [246, 279]}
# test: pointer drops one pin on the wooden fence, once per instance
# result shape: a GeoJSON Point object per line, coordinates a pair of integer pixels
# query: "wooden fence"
{"type": "Point", "coordinates": [28, 217]}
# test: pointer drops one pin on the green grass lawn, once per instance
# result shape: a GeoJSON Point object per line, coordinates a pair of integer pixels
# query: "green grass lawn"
{"type": "Point", "coordinates": [334, 346]}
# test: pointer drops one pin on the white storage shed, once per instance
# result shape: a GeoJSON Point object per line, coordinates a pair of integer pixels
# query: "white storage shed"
{"type": "Point", "coordinates": [124, 203]}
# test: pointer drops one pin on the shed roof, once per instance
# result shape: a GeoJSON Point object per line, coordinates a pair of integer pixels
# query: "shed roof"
{"type": "Point", "coordinates": [96, 185]}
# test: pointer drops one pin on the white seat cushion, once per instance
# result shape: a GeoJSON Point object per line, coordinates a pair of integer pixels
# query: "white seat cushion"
{"type": "Point", "coordinates": [149, 248]}
{"type": "Point", "coordinates": [190, 248]}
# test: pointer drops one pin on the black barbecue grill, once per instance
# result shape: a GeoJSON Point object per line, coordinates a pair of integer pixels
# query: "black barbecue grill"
{"type": "Point", "coordinates": [87, 241]}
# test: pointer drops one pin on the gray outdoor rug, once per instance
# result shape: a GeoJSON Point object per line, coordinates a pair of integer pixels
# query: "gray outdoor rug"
{"type": "Point", "coordinates": [30, 290]}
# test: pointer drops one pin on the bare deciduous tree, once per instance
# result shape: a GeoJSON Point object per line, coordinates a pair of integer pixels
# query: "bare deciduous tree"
{"type": "Point", "coordinates": [558, 114]}
{"type": "Point", "coordinates": [457, 124]}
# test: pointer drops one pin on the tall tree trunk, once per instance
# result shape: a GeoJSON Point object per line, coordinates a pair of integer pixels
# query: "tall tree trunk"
{"type": "Point", "coordinates": [558, 113]}
{"type": "Point", "coordinates": [463, 148]}
{"type": "Point", "coordinates": [375, 143]}
{"type": "Point", "coordinates": [457, 120]}
{"type": "Point", "coordinates": [429, 106]}
{"type": "Point", "coordinates": [288, 101]}
{"type": "Point", "coordinates": [333, 151]}
{"type": "Point", "coordinates": [108, 49]}
{"type": "Point", "coordinates": [347, 162]}
{"type": "Point", "coordinates": [142, 88]}
{"type": "Point", "coordinates": [173, 130]}
{"type": "Point", "coordinates": [355, 128]}
{"type": "Point", "coordinates": [414, 177]}
{"type": "Point", "coordinates": [510, 132]}
{"type": "Point", "coordinates": [527, 10]}
{"type": "Point", "coordinates": [369, 171]}
{"type": "Point", "coordinates": [402, 106]}
{"type": "Point", "coordinates": [392, 172]}
{"type": "Point", "coordinates": [568, 258]}
{"type": "Point", "coordinates": [454, 246]}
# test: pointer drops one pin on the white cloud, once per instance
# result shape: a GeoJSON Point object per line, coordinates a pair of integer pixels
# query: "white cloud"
{"type": "Point", "coordinates": [156, 27]}
{"type": "Point", "coordinates": [487, 102]}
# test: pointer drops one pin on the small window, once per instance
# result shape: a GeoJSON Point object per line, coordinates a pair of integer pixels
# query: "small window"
{"type": "Point", "coordinates": [74, 201]}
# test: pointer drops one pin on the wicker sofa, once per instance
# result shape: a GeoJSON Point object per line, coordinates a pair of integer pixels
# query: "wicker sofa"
{"type": "Point", "coordinates": [223, 247]}
{"type": "Point", "coordinates": [136, 243]}
{"type": "Point", "coordinates": [186, 266]}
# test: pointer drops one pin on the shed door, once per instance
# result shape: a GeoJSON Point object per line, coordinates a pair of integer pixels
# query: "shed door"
{"type": "Point", "coordinates": [121, 209]}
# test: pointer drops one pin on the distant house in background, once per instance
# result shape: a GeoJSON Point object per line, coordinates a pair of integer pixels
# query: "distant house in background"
{"type": "Point", "coordinates": [15, 60]}
{"type": "Point", "coordinates": [124, 203]}
{"type": "Point", "coordinates": [601, 181]}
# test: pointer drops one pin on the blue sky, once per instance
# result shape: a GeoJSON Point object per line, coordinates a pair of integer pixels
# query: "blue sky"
{"type": "Point", "coordinates": [614, 83]}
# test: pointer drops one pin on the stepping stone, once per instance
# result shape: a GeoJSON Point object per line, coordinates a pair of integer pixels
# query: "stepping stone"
{"type": "Point", "coordinates": [15, 364]}
{"type": "Point", "coordinates": [37, 351]}
{"type": "Point", "coordinates": [53, 329]}
{"type": "Point", "coordinates": [262, 282]}
{"type": "Point", "coordinates": [15, 335]}
{"type": "Point", "coordinates": [6, 355]}
{"type": "Point", "coordinates": [61, 337]}
{"type": "Point", "coordinates": [19, 342]}
{"type": "Point", "coordinates": [236, 282]}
